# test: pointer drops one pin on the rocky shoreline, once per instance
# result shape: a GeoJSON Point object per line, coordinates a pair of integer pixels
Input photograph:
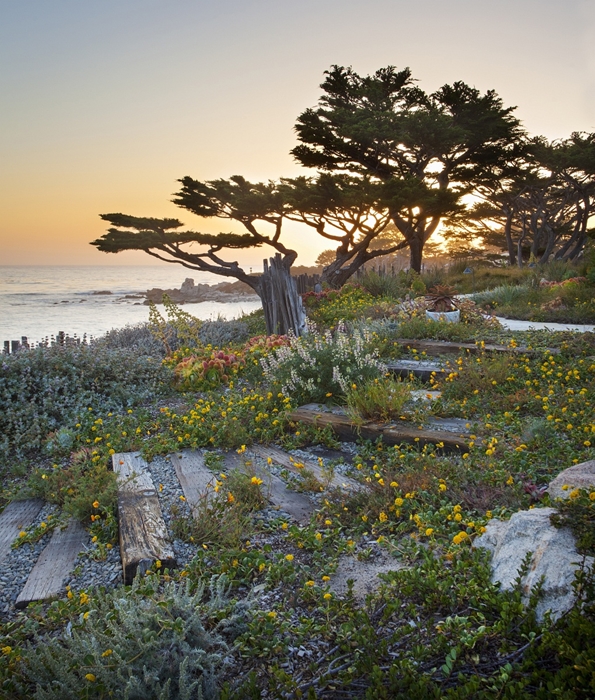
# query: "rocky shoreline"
{"type": "Point", "coordinates": [191, 293]}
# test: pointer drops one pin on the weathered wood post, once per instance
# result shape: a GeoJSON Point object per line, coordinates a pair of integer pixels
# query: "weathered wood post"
{"type": "Point", "coordinates": [6, 350]}
{"type": "Point", "coordinates": [14, 346]}
{"type": "Point", "coordinates": [283, 308]}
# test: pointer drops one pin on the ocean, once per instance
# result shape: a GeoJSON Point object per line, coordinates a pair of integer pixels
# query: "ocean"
{"type": "Point", "coordinates": [40, 301]}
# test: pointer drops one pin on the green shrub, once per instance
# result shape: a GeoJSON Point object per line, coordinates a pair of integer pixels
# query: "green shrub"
{"type": "Point", "coordinates": [78, 487]}
{"type": "Point", "coordinates": [148, 641]}
{"type": "Point", "coordinates": [376, 399]}
{"type": "Point", "coordinates": [393, 286]}
{"type": "Point", "coordinates": [420, 327]}
{"type": "Point", "coordinates": [44, 389]}
{"type": "Point", "coordinates": [578, 513]}
{"type": "Point", "coordinates": [322, 366]}
{"type": "Point", "coordinates": [348, 304]}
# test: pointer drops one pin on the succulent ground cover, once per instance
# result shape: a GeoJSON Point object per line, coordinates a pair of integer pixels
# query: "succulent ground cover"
{"type": "Point", "coordinates": [257, 604]}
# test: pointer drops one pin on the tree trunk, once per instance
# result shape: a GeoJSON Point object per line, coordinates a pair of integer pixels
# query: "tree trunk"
{"type": "Point", "coordinates": [416, 248]}
{"type": "Point", "coordinates": [509, 243]}
{"type": "Point", "coordinates": [283, 309]}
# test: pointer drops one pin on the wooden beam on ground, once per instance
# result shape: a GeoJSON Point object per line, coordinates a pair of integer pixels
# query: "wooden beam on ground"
{"type": "Point", "coordinates": [440, 347]}
{"type": "Point", "coordinates": [17, 516]}
{"type": "Point", "coordinates": [285, 460]}
{"type": "Point", "coordinates": [195, 478]}
{"type": "Point", "coordinates": [297, 505]}
{"type": "Point", "coordinates": [422, 370]}
{"type": "Point", "coordinates": [391, 434]}
{"type": "Point", "coordinates": [143, 533]}
{"type": "Point", "coordinates": [54, 566]}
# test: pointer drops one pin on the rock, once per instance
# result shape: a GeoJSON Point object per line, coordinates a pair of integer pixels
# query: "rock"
{"type": "Point", "coordinates": [554, 557]}
{"type": "Point", "coordinates": [579, 476]}
{"type": "Point", "coordinates": [192, 293]}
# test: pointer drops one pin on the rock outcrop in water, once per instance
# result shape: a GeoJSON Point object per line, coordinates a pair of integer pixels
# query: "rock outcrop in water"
{"type": "Point", "coordinates": [190, 293]}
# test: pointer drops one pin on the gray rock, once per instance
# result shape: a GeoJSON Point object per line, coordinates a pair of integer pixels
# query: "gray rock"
{"type": "Point", "coordinates": [554, 557]}
{"type": "Point", "coordinates": [579, 476]}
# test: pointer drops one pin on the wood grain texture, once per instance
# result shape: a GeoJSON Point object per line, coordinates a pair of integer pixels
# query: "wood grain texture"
{"type": "Point", "coordinates": [17, 516]}
{"type": "Point", "coordinates": [55, 564]}
{"type": "Point", "coordinates": [195, 478]}
{"type": "Point", "coordinates": [297, 505]}
{"type": "Point", "coordinates": [143, 534]}
{"type": "Point", "coordinates": [391, 433]}
{"type": "Point", "coordinates": [425, 371]}
{"type": "Point", "coordinates": [441, 347]}
{"type": "Point", "coordinates": [285, 460]}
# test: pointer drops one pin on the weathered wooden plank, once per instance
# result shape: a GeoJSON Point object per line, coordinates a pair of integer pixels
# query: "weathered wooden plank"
{"type": "Point", "coordinates": [441, 347]}
{"type": "Point", "coordinates": [391, 434]}
{"type": "Point", "coordinates": [17, 516]}
{"type": "Point", "coordinates": [422, 370]}
{"type": "Point", "coordinates": [287, 461]}
{"type": "Point", "coordinates": [195, 478]}
{"type": "Point", "coordinates": [143, 533]}
{"type": "Point", "coordinates": [298, 506]}
{"type": "Point", "coordinates": [55, 563]}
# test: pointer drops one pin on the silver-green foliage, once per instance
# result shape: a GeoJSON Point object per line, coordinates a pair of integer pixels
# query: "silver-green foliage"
{"type": "Point", "coordinates": [149, 641]}
{"type": "Point", "coordinates": [44, 389]}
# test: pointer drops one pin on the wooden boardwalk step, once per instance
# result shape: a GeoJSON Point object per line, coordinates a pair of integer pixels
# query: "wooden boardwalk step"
{"type": "Point", "coordinates": [17, 516]}
{"type": "Point", "coordinates": [421, 369]}
{"type": "Point", "coordinates": [298, 506]}
{"type": "Point", "coordinates": [391, 433]}
{"type": "Point", "coordinates": [55, 563]}
{"type": "Point", "coordinates": [143, 533]}
{"type": "Point", "coordinates": [287, 461]}
{"type": "Point", "coordinates": [441, 347]}
{"type": "Point", "coordinates": [195, 478]}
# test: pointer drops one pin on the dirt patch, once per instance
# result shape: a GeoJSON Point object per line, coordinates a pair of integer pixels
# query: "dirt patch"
{"type": "Point", "coordinates": [363, 572]}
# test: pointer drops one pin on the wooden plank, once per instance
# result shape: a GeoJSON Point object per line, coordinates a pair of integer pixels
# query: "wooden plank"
{"type": "Point", "coordinates": [391, 434]}
{"type": "Point", "coordinates": [143, 533]}
{"type": "Point", "coordinates": [440, 347]}
{"type": "Point", "coordinates": [423, 370]}
{"type": "Point", "coordinates": [17, 516]}
{"type": "Point", "coordinates": [287, 461]}
{"type": "Point", "coordinates": [54, 566]}
{"type": "Point", "coordinates": [195, 478]}
{"type": "Point", "coordinates": [298, 506]}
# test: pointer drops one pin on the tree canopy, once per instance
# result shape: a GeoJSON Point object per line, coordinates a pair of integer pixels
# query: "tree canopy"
{"type": "Point", "coordinates": [427, 150]}
{"type": "Point", "coordinates": [540, 205]}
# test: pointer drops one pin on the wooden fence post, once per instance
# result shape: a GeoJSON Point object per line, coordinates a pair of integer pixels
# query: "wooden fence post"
{"type": "Point", "coordinates": [283, 309]}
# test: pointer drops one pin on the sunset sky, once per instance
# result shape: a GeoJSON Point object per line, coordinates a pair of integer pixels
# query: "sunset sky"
{"type": "Point", "coordinates": [106, 103]}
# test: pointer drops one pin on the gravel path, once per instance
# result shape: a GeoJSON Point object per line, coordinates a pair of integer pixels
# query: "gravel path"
{"type": "Point", "coordinates": [92, 571]}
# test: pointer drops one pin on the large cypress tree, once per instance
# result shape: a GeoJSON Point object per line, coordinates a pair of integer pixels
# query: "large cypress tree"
{"type": "Point", "coordinates": [427, 150]}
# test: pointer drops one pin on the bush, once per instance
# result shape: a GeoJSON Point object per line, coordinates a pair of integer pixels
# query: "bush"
{"type": "Point", "coordinates": [318, 367]}
{"type": "Point", "coordinates": [376, 400]}
{"type": "Point", "coordinates": [348, 304]}
{"type": "Point", "coordinates": [144, 642]}
{"type": "Point", "coordinates": [394, 286]}
{"type": "Point", "coordinates": [42, 390]}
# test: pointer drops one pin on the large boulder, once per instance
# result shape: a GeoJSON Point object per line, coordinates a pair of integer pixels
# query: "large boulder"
{"type": "Point", "coordinates": [580, 476]}
{"type": "Point", "coordinates": [553, 557]}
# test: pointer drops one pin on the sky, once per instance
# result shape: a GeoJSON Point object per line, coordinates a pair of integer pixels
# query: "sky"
{"type": "Point", "coordinates": [105, 104]}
